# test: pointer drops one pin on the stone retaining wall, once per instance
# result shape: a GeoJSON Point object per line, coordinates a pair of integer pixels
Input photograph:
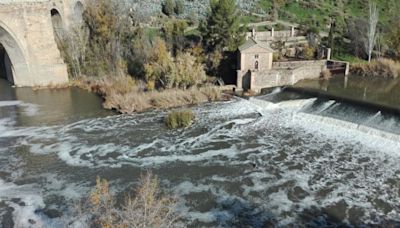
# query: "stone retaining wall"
{"type": "Point", "coordinates": [283, 73]}
{"type": "Point", "coordinates": [272, 35]}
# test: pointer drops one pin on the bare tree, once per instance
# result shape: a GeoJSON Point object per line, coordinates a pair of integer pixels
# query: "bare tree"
{"type": "Point", "coordinates": [371, 29]}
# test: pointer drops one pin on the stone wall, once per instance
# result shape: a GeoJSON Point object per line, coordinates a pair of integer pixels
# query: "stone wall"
{"type": "Point", "coordinates": [26, 32]}
{"type": "Point", "coordinates": [273, 35]}
{"type": "Point", "coordinates": [297, 64]}
{"type": "Point", "coordinates": [283, 73]}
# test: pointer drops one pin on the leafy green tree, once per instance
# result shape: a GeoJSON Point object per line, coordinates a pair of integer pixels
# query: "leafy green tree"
{"type": "Point", "coordinates": [168, 7]}
{"type": "Point", "coordinates": [221, 30]}
{"type": "Point", "coordinates": [276, 4]}
{"type": "Point", "coordinates": [103, 25]}
{"type": "Point", "coordinates": [179, 7]}
{"type": "Point", "coordinates": [174, 34]}
{"type": "Point", "coordinates": [393, 40]}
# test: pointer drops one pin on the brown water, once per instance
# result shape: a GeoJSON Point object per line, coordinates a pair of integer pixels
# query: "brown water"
{"type": "Point", "coordinates": [371, 89]}
{"type": "Point", "coordinates": [280, 159]}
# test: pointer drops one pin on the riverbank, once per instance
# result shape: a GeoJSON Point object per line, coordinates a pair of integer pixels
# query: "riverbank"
{"type": "Point", "coordinates": [128, 96]}
{"type": "Point", "coordinates": [383, 68]}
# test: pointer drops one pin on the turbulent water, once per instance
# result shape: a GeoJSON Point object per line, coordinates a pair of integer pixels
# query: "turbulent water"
{"type": "Point", "coordinates": [298, 162]}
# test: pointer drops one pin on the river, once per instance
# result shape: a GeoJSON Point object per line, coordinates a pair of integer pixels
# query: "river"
{"type": "Point", "coordinates": [279, 159]}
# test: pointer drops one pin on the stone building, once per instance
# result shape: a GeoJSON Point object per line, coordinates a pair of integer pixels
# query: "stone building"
{"type": "Point", "coordinates": [254, 55]}
{"type": "Point", "coordinates": [257, 70]}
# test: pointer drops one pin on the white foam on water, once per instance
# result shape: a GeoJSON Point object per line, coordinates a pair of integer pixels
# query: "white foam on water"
{"type": "Point", "coordinates": [29, 195]}
{"type": "Point", "coordinates": [10, 103]}
{"type": "Point", "coordinates": [325, 106]}
{"type": "Point", "coordinates": [325, 149]}
{"type": "Point", "coordinates": [6, 125]}
{"type": "Point", "coordinates": [29, 109]}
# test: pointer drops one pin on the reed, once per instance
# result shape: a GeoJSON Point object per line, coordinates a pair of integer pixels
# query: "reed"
{"type": "Point", "coordinates": [179, 119]}
{"type": "Point", "coordinates": [385, 68]}
{"type": "Point", "coordinates": [128, 96]}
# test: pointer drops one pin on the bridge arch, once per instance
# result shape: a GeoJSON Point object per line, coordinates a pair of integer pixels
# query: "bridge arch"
{"type": "Point", "coordinates": [12, 57]}
{"type": "Point", "coordinates": [57, 21]}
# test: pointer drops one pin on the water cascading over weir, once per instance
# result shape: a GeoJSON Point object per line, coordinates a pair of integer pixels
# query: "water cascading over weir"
{"type": "Point", "coordinates": [29, 54]}
{"type": "Point", "coordinates": [351, 115]}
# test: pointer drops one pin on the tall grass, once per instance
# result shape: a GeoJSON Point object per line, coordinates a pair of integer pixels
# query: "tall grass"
{"type": "Point", "coordinates": [385, 68]}
{"type": "Point", "coordinates": [179, 119]}
{"type": "Point", "coordinates": [128, 96]}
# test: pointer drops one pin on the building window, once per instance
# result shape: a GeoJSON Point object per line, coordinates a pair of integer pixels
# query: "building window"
{"type": "Point", "coordinates": [256, 56]}
{"type": "Point", "coordinates": [256, 65]}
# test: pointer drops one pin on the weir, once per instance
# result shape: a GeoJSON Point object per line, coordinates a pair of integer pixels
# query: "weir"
{"type": "Point", "coordinates": [334, 113]}
{"type": "Point", "coordinates": [327, 95]}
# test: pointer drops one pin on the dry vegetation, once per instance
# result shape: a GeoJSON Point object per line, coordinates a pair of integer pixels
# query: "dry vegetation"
{"type": "Point", "coordinates": [385, 68]}
{"type": "Point", "coordinates": [179, 119]}
{"type": "Point", "coordinates": [126, 95]}
{"type": "Point", "coordinates": [146, 208]}
{"type": "Point", "coordinates": [326, 75]}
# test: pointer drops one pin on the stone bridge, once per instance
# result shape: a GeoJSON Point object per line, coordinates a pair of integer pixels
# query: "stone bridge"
{"type": "Point", "coordinates": [29, 55]}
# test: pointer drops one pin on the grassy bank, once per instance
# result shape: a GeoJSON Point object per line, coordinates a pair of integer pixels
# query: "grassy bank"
{"type": "Point", "coordinates": [384, 68]}
{"type": "Point", "coordinates": [128, 96]}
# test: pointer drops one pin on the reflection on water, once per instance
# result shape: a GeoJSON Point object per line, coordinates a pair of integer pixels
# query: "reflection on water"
{"type": "Point", "coordinates": [374, 90]}
{"type": "Point", "coordinates": [257, 163]}
{"type": "Point", "coordinates": [29, 107]}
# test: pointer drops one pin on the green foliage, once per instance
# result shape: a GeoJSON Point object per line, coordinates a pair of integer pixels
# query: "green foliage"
{"type": "Point", "coordinates": [102, 23]}
{"type": "Point", "coordinates": [348, 58]}
{"type": "Point", "coordinates": [221, 30]}
{"type": "Point", "coordinates": [393, 39]}
{"type": "Point", "coordinates": [174, 34]}
{"type": "Point", "coordinates": [308, 53]}
{"type": "Point", "coordinates": [179, 119]}
{"type": "Point", "coordinates": [168, 7]}
{"type": "Point", "coordinates": [276, 4]}
{"type": "Point", "coordinates": [183, 71]}
{"type": "Point", "coordinates": [179, 7]}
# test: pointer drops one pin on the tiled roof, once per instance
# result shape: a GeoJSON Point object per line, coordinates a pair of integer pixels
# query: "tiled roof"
{"type": "Point", "coordinates": [252, 42]}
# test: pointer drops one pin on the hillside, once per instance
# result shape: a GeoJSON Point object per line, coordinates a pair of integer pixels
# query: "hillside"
{"type": "Point", "coordinates": [319, 12]}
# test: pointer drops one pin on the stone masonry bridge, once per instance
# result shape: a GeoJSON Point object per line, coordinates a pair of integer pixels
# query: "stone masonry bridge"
{"type": "Point", "coordinates": [29, 55]}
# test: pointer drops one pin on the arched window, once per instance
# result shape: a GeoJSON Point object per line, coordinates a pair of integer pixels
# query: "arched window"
{"type": "Point", "coordinates": [256, 65]}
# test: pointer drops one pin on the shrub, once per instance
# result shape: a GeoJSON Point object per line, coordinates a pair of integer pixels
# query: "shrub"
{"type": "Point", "coordinates": [179, 7]}
{"type": "Point", "coordinates": [179, 119]}
{"type": "Point", "coordinates": [147, 208]}
{"type": "Point", "coordinates": [308, 53]}
{"type": "Point", "coordinates": [180, 72]}
{"type": "Point", "coordinates": [128, 96]}
{"type": "Point", "coordinates": [168, 7]}
{"type": "Point", "coordinates": [276, 56]}
{"type": "Point", "coordinates": [385, 68]}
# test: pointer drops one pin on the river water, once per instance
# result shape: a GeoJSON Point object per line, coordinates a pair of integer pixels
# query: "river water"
{"type": "Point", "coordinates": [280, 159]}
